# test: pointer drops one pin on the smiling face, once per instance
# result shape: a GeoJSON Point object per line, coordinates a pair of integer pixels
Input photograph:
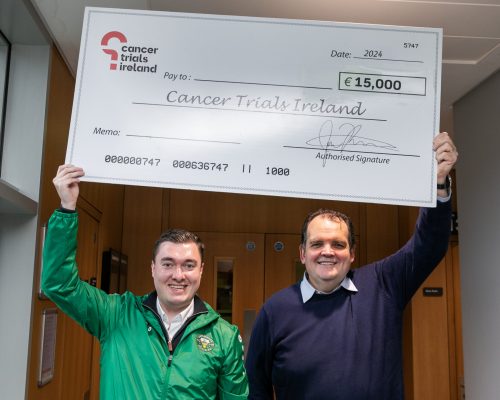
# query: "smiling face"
{"type": "Point", "coordinates": [176, 270]}
{"type": "Point", "coordinates": [326, 253]}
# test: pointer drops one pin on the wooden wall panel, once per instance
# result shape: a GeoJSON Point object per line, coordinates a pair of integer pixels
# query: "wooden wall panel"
{"type": "Point", "coordinates": [165, 217]}
{"type": "Point", "coordinates": [430, 340]}
{"type": "Point", "coordinates": [432, 348]}
{"type": "Point", "coordinates": [408, 380]}
{"type": "Point", "coordinates": [111, 206]}
{"type": "Point", "coordinates": [382, 234]}
{"type": "Point", "coordinates": [216, 212]}
{"type": "Point", "coordinates": [229, 212]}
{"type": "Point", "coordinates": [61, 87]}
{"type": "Point", "coordinates": [93, 193]}
{"type": "Point", "coordinates": [457, 306]}
{"type": "Point", "coordinates": [457, 388]}
{"type": "Point", "coordinates": [108, 199]}
{"type": "Point", "coordinates": [142, 226]}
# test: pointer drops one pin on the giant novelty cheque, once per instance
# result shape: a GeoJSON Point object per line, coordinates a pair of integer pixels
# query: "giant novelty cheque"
{"type": "Point", "coordinates": [255, 105]}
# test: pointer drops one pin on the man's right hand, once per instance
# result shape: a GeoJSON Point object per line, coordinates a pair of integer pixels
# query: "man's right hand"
{"type": "Point", "coordinates": [66, 183]}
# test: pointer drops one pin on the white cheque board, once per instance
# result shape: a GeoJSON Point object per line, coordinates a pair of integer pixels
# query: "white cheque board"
{"type": "Point", "coordinates": [264, 106]}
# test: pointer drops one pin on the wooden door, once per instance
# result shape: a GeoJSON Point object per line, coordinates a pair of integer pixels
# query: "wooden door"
{"type": "Point", "coordinates": [233, 276]}
{"type": "Point", "coordinates": [282, 263]}
{"type": "Point", "coordinates": [76, 363]}
{"type": "Point", "coordinates": [456, 340]}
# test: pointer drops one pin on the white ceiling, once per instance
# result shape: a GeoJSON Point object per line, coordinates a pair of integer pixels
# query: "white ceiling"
{"type": "Point", "coordinates": [471, 44]}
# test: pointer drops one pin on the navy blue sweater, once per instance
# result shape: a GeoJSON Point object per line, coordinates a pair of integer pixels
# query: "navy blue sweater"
{"type": "Point", "coordinates": [346, 345]}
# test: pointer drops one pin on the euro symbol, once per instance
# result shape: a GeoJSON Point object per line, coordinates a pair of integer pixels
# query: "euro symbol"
{"type": "Point", "coordinates": [347, 81]}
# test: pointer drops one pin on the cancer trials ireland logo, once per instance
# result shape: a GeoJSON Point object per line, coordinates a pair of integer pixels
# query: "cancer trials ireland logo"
{"type": "Point", "coordinates": [112, 52]}
{"type": "Point", "coordinates": [128, 57]}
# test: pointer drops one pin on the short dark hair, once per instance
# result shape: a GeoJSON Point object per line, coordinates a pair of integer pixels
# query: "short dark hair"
{"type": "Point", "coordinates": [332, 215]}
{"type": "Point", "coordinates": [179, 236]}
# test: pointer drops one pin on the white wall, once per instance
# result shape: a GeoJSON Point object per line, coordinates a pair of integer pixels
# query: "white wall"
{"type": "Point", "coordinates": [25, 118]}
{"type": "Point", "coordinates": [19, 189]}
{"type": "Point", "coordinates": [477, 134]}
{"type": "Point", "coordinates": [17, 248]}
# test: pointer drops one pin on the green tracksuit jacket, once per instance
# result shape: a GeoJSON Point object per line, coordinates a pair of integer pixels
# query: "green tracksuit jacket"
{"type": "Point", "coordinates": [207, 357]}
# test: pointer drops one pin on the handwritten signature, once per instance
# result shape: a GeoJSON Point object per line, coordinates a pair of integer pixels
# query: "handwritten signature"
{"type": "Point", "coordinates": [345, 137]}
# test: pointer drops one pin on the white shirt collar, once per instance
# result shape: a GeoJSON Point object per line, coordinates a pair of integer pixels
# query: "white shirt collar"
{"type": "Point", "coordinates": [307, 290]}
{"type": "Point", "coordinates": [176, 323]}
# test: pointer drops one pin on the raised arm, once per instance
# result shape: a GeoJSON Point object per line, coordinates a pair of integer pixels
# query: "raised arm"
{"type": "Point", "coordinates": [403, 272]}
{"type": "Point", "coordinates": [60, 280]}
{"type": "Point", "coordinates": [66, 183]}
{"type": "Point", "coordinates": [446, 157]}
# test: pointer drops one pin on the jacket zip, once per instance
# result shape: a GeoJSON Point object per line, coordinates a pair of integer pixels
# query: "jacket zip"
{"type": "Point", "coordinates": [179, 332]}
{"type": "Point", "coordinates": [165, 333]}
{"type": "Point", "coordinates": [170, 356]}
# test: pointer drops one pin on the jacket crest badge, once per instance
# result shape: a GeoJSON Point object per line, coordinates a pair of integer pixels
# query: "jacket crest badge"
{"type": "Point", "coordinates": [205, 343]}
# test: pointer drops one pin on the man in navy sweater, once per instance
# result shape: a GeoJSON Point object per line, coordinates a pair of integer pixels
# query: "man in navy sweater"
{"type": "Point", "coordinates": [338, 333]}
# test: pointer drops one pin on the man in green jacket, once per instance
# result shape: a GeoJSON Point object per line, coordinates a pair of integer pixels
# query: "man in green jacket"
{"type": "Point", "coordinates": [165, 345]}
